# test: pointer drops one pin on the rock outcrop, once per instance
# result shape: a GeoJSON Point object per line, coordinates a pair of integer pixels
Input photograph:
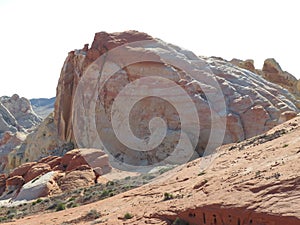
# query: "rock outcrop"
{"type": "Point", "coordinates": [53, 174]}
{"type": "Point", "coordinates": [17, 119]}
{"type": "Point", "coordinates": [272, 72]}
{"type": "Point", "coordinates": [43, 106]}
{"type": "Point", "coordinates": [21, 113]}
{"type": "Point", "coordinates": [252, 104]}
{"type": "Point", "coordinates": [9, 143]}
{"type": "Point", "coordinates": [42, 142]}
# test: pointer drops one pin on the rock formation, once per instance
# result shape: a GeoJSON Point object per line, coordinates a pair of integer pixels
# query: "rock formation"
{"type": "Point", "coordinates": [21, 115]}
{"type": "Point", "coordinates": [272, 72]}
{"type": "Point", "coordinates": [17, 119]}
{"type": "Point", "coordinates": [53, 174]}
{"type": "Point", "coordinates": [43, 106]}
{"type": "Point", "coordinates": [42, 142]}
{"type": "Point", "coordinates": [253, 105]}
{"type": "Point", "coordinates": [9, 143]}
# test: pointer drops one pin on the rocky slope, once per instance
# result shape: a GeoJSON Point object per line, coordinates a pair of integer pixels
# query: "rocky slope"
{"type": "Point", "coordinates": [252, 182]}
{"type": "Point", "coordinates": [222, 94]}
{"type": "Point", "coordinates": [43, 106]}
{"type": "Point", "coordinates": [272, 72]}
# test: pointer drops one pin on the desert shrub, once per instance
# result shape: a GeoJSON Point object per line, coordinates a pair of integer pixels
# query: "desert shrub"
{"type": "Point", "coordinates": [128, 216]}
{"type": "Point", "coordinates": [60, 206]}
{"type": "Point", "coordinates": [2, 219]}
{"type": "Point", "coordinates": [168, 196]}
{"type": "Point", "coordinates": [93, 214]}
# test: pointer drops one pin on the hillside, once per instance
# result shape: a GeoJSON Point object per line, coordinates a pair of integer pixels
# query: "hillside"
{"type": "Point", "coordinates": [252, 182]}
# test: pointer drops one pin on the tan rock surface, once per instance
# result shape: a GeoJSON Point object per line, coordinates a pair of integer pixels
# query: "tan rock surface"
{"type": "Point", "coordinates": [252, 182]}
{"type": "Point", "coordinates": [82, 177]}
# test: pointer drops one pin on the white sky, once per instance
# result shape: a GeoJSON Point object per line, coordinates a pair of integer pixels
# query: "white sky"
{"type": "Point", "coordinates": [36, 35]}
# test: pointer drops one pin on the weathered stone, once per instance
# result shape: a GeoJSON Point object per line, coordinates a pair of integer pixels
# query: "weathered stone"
{"type": "Point", "coordinates": [37, 170]}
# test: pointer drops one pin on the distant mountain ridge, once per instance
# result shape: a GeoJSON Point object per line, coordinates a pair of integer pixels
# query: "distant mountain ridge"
{"type": "Point", "coordinates": [43, 106]}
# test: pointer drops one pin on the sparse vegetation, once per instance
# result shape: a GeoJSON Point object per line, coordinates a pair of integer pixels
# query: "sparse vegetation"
{"type": "Point", "coordinates": [77, 197]}
{"type": "Point", "coordinates": [168, 196]}
{"type": "Point", "coordinates": [93, 214]}
{"type": "Point", "coordinates": [257, 173]}
{"type": "Point", "coordinates": [285, 145]}
{"type": "Point", "coordinates": [128, 216]}
{"type": "Point", "coordinates": [60, 206]}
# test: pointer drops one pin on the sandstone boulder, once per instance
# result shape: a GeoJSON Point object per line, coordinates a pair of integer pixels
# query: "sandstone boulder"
{"type": "Point", "coordinates": [247, 64]}
{"type": "Point", "coordinates": [36, 170]}
{"type": "Point", "coordinates": [94, 158]}
{"type": "Point", "coordinates": [22, 170]}
{"type": "Point", "coordinates": [82, 177]}
{"type": "Point", "coordinates": [14, 183]}
{"type": "Point", "coordinates": [42, 187]}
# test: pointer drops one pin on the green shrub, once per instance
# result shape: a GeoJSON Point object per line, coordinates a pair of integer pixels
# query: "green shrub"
{"type": "Point", "coordinates": [2, 219]}
{"type": "Point", "coordinates": [60, 206]}
{"type": "Point", "coordinates": [168, 196]}
{"type": "Point", "coordinates": [128, 216]}
{"type": "Point", "coordinates": [104, 193]}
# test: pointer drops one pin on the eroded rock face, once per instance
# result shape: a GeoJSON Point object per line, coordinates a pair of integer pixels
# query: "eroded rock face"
{"type": "Point", "coordinates": [253, 105]}
{"type": "Point", "coordinates": [76, 62]}
{"type": "Point", "coordinates": [21, 110]}
{"type": "Point", "coordinates": [17, 119]}
{"type": "Point", "coordinates": [9, 143]}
